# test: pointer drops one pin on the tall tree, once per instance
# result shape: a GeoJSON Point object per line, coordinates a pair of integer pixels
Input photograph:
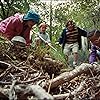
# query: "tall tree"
{"type": "Point", "coordinates": [51, 12]}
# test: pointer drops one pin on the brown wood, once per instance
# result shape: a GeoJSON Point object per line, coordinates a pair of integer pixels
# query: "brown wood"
{"type": "Point", "coordinates": [75, 92]}
{"type": "Point", "coordinates": [67, 76]}
{"type": "Point", "coordinates": [39, 92]}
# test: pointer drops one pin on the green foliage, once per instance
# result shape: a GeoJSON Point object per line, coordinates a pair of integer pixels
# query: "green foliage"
{"type": "Point", "coordinates": [58, 55]}
{"type": "Point", "coordinates": [85, 13]}
{"type": "Point", "coordinates": [10, 7]}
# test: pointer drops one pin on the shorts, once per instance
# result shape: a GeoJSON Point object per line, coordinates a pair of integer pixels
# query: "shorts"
{"type": "Point", "coordinates": [68, 48]}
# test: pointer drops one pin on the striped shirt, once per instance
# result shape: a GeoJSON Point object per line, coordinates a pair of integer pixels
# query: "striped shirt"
{"type": "Point", "coordinates": [72, 37]}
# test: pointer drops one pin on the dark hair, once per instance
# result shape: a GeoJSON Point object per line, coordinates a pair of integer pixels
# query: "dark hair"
{"type": "Point", "coordinates": [93, 32]}
{"type": "Point", "coordinates": [70, 21]}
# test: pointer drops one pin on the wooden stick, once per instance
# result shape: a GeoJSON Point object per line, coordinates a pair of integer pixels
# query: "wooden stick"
{"type": "Point", "coordinates": [68, 76]}
{"type": "Point", "coordinates": [50, 83]}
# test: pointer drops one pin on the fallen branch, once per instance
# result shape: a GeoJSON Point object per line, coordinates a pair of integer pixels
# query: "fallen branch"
{"type": "Point", "coordinates": [6, 72]}
{"type": "Point", "coordinates": [4, 65]}
{"type": "Point", "coordinates": [22, 82]}
{"type": "Point", "coordinates": [24, 91]}
{"type": "Point", "coordinates": [75, 92]}
{"type": "Point", "coordinates": [39, 92]}
{"type": "Point", "coordinates": [67, 76]}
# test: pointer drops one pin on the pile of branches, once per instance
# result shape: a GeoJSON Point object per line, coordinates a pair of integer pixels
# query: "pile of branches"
{"type": "Point", "coordinates": [38, 59]}
{"type": "Point", "coordinates": [82, 83]}
{"type": "Point", "coordinates": [32, 74]}
{"type": "Point", "coordinates": [25, 66]}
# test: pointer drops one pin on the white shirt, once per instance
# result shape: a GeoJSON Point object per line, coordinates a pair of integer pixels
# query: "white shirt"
{"type": "Point", "coordinates": [44, 36]}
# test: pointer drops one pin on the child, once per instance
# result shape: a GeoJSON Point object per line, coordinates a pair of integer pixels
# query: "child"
{"type": "Point", "coordinates": [71, 40]}
{"type": "Point", "coordinates": [94, 37]}
{"type": "Point", "coordinates": [19, 25]}
{"type": "Point", "coordinates": [42, 37]}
